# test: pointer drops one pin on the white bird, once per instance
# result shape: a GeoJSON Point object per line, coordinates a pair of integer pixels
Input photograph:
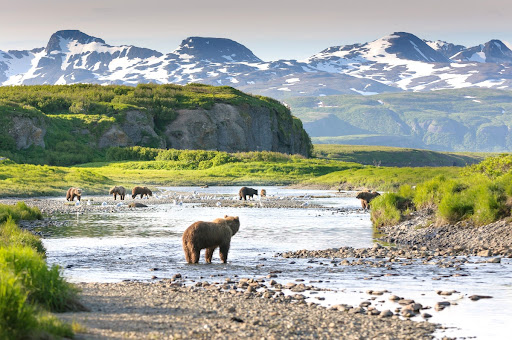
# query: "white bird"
{"type": "Point", "coordinates": [218, 204]}
{"type": "Point", "coordinates": [77, 203]}
{"type": "Point", "coordinates": [104, 204]}
{"type": "Point", "coordinates": [88, 202]}
{"type": "Point", "coordinates": [119, 204]}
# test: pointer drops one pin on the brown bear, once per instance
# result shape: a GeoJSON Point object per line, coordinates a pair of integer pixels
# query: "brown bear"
{"type": "Point", "coordinates": [121, 191]}
{"type": "Point", "coordinates": [72, 193]}
{"type": "Point", "coordinates": [142, 191]}
{"type": "Point", "coordinates": [263, 193]}
{"type": "Point", "coordinates": [245, 191]}
{"type": "Point", "coordinates": [209, 236]}
{"type": "Point", "coordinates": [366, 197]}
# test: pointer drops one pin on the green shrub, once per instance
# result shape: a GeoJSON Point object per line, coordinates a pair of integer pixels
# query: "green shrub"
{"type": "Point", "coordinates": [430, 193]}
{"type": "Point", "coordinates": [489, 203]}
{"type": "Point", "coordinates": [385, 209]}
{"type": "Point", "coordinates": [455, 207]}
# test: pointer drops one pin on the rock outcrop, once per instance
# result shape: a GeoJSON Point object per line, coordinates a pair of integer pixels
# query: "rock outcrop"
{"type": "Point", "coordinates": [223, 127]}
{"type": "Point", "coordinates": [229, 128]}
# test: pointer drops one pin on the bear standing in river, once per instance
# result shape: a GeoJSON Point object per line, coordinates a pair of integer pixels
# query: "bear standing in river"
{"type": "Point", "coordinates": [142, 191]}
{"type": "Point", "coordinates": [245, 191]}
{"type": "Point", "coordinates": [366, 197]}
{"type": "Point", "coordinates": [209, 236]}
{"type": "Point", "coordinates": [72, 193]}
{"type": "Point", "coordinates": [121, 191]}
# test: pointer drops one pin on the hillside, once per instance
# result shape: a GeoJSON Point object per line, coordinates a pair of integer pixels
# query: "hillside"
{"type": "Point", "coordinates": [73, 124]}
{"type": "Point", "coordinates": [394, 157]}
{"type": "Point", "coordinates": [478, 120]}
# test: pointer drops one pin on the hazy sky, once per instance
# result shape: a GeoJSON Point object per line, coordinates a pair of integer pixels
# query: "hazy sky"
{"type": "Point", "coordinates": [272, 29]}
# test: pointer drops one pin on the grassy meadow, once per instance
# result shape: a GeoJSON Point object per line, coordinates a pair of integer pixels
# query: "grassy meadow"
{"type": "Point", "coordinates": [156, 167]}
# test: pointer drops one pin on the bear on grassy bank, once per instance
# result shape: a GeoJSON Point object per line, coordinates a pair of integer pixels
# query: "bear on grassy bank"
{"type": "Point", "coordinates": [142, 191]}
{"type": "Point", "coordinates": [263, 193]}
{"type": "Point", "coordinates": [245, 191]}
{"type": "Point", "coordinates": [72, 193]}
{"type": "Point", "coordinates": [209, 236]}
{"type": "Point", "coordinates": [366, 197]}
{"type": "Point", "coordinates": [121, 191]}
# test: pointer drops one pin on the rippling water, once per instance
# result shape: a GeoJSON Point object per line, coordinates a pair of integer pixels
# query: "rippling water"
{"type": "Point", "coordinates": [110, 246]}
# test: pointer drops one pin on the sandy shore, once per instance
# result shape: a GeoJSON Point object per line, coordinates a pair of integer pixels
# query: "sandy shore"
{"type": "Point", "coordinates": [166, 310]}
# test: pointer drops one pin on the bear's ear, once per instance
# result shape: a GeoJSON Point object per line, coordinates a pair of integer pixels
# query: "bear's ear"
{"type": "Point", "coordinates": [236, 218]}
{"type": "Point", "coordinates": [226, 216]}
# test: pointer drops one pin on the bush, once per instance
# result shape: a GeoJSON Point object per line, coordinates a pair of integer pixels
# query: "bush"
{"type": "Point", "coordinates": [429, 194]}
{"type": "Point", "coordinates": [385, 209]}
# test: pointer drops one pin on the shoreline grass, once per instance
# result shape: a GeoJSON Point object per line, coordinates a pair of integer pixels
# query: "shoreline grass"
{"type": "Point", "coordinates": [29, 290]}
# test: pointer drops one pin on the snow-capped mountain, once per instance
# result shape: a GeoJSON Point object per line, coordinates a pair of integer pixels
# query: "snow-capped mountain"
{"type": "Point", "coordinates": [397, 62]}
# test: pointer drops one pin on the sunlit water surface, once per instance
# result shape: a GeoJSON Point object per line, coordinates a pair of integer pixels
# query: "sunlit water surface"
{"type": "Point", "coordinates": [120, 244]}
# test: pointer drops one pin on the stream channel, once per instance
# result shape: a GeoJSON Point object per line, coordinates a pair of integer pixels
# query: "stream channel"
{"type": "Point", "coordinates": [117, 243]}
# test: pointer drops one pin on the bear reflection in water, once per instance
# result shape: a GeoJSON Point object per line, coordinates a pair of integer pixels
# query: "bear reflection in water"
{"type": "Point", "coordinates": [209, 236]}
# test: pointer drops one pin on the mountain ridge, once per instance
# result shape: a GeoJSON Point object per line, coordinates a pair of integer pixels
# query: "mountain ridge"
{"type": "Point", "coordinates": [396, 62]}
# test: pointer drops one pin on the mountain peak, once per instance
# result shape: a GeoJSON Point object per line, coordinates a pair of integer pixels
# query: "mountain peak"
{"type": "Point", "coordinates": [215, 49]}
{"type": "Point", "coordinates": [76, 35]}
{"type": "Point", "coordinates": [408, 46]}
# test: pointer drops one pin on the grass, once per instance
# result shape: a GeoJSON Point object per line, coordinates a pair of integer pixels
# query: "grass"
{"type": "Point", "coordinates": [392, 156]}
{"type": "Point", "coordinates": [29, 289]}
{"type": "Point", "coordinates": [477, 194]}
{"type": "Point", "coordinates": [212, 168]}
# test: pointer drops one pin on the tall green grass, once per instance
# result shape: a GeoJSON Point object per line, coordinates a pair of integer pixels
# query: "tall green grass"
{"type": "Point", "coordinates": [28, 287]}
{"type": "Point", "coordinates": [481, 194]}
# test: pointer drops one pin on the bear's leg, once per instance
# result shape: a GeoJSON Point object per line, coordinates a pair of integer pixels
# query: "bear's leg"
{"type": "Point", "coordinates": [209, 254]}
{"type": "Point", "coordinates": [223, 252]}
{"type": "Point", "coordinates": [195, 255]}
{"type": "Point", "coordinates": [363, 205]}
{"type": "Point", "coordinates": [186, 250]}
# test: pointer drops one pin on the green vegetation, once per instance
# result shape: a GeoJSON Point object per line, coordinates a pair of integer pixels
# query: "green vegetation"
{"type": "Point", "coordinates": [140, 165]}
{"type": "Point", "coordinates": [29, 290]}
{"type": "Point", "coordinates": [482, 193]}
{"type": "Point", "coordinates": [468, 119]}
{"type": "Point", "coordinates": [75, 117]}
{"type": "Point", "coordinates": [392, 156]}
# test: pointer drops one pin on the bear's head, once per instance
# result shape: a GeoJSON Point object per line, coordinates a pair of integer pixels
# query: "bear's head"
{"type": "Point", "coordinates": [78, 192]}
{"type": "Point", "coordinates": [114, 189]}
{"type": "Point", "coordinates": [233, 223]}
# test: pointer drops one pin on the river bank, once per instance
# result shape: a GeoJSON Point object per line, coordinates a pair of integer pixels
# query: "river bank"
{"type": "Point", "coordinates": [397, 281]}
{"type": "Point", "coordinates": [166, 310]}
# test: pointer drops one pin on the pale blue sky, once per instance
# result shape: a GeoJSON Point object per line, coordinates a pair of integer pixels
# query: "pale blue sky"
{"type": "Point", "coordinates": [272, 29]}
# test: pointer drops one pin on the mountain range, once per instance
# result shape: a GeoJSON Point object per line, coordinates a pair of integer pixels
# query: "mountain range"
{"type": "Point", "coordinates": [394, 63]}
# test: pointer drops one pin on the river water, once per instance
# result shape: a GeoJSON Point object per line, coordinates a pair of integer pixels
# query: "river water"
{"type": "Point", "coordinates": [113, 244]}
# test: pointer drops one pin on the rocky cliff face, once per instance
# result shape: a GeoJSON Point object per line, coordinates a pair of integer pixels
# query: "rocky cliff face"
{"type": "Point", "coordinates": [27, 132]}
{"type": "Point", "coordinates": [224, 127]}
{"type": "Point", "coordinates": [231, 129]}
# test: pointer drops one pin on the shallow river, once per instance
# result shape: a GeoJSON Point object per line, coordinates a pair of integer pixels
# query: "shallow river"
{"type": "Point", "coordinates": [120, 244]}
